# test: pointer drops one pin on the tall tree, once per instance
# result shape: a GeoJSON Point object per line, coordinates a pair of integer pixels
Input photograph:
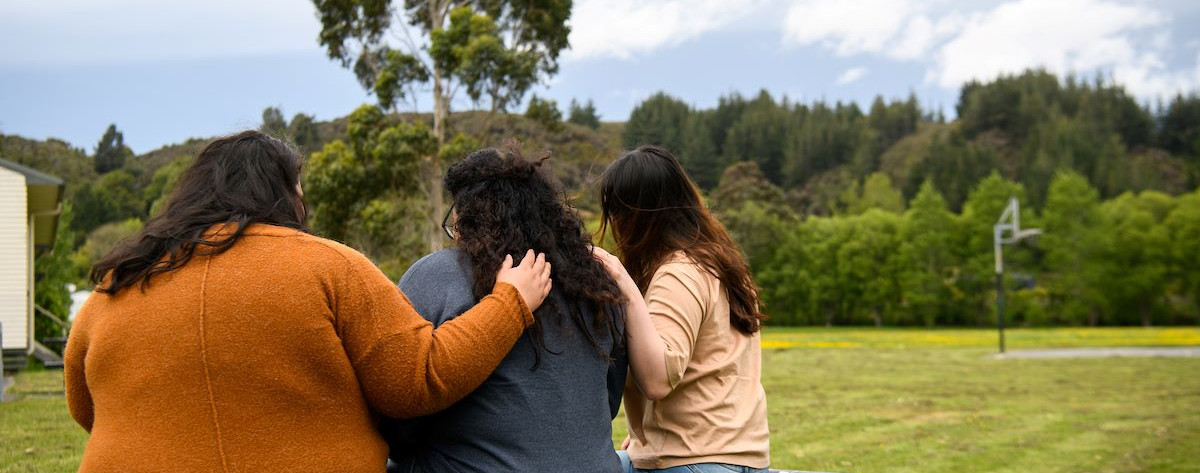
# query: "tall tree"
{"type": "Point", "coordinates": [743, 182]}
{"type": "Point", "coordinates": [786, 281]}
{"type": "Point", "coordinates": [1184, 226]}
{"type": "Point", "coordinates": [303, 131]}
{"type": "Point", "coordinates": [758, 135]}
{"type": "Point", "coordinates": [494, 50]}
{"type": "Point", "coordinates": [111, 150]}
{"type": "Point", "coordinates": [954, 165]}
{"type": "Point", "coordinates": [699, 155]}
{"type": "Point", "coordinates": [1181, 126]}
{"type": "Point", "coordinates": [980, 212]}
{"type": "Point", "coordinates": [926, 257]}
{"type": "Point", "coordinates": [363, 188]}
{"type": "Point", "coordinates": [111, 198]}
{"type": "Point", "coordinates": [895, 120]}
{"type": "Point", "coordinates": [816, 271]}
{"type": "Point", "coordinates": [545, 112]}
{"type": "Point", "coordinates": [273, 122]}
{"type": "Point", "coordinates": [1071, 219]}
{"type": "Point", "coordinates": [867, 265]}
{"type": "Point", "coordinates": [822, 138]}
{"type": "Point", "coordinates": [583, 114]}
{"type": "Point", "coordinates": [1136, 260]}
{"type": "Point", "coordinates": [658, 120]}
{"type": "Point", "coordinates": [877, 193]}
{"type": "Point", "coordinates": [162, 182]}
{"type": "Point", "coordinates": [753, 211]}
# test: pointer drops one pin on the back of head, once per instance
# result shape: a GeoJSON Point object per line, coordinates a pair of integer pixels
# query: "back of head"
{"type": "Point", "coordinates": [238, 180]}
{"type": "Point", "coordinates": [655, 210]}
{"type": "Point", "coordinates": [505, 205]}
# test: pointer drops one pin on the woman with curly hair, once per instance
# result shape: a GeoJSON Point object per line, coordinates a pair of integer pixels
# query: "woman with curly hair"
{"type": "Point", "coordinates": [549, 405]}
{"type": "Point", "coordinates": [697, 403]}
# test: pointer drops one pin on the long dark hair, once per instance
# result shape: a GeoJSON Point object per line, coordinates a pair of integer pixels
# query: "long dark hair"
{"type": "Point", "coordinates": [507, 204]}
{"type": "Point", "coordinates": [655, 210]}
{"type": "Point", "coordinates": [237, 180]}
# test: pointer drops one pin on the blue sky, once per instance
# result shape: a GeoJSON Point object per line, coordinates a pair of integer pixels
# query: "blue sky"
{"type": "Point", "coordinates": [167, 71]}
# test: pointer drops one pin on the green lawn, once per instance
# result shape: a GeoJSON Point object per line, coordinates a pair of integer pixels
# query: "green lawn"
{"type": "Point", "coordinates": [884, 400]}
{"type": "Point", "coordinates": [36, 433]}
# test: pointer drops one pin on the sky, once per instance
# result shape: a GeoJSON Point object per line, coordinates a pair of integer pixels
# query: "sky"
{"type": "Point", "coordinates": [167, 71]}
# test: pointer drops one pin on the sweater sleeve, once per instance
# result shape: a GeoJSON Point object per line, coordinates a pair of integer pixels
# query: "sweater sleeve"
{"type": "Point", "coordinates": [677, 310]}
{"type": "Point", "coordinates": [79, 398]}
{"type": "Point", "coordinates": [405, 367]}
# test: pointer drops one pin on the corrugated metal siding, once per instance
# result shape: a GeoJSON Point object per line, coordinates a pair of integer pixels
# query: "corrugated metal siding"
{"type": "Point", "coordinates": [14, 260]}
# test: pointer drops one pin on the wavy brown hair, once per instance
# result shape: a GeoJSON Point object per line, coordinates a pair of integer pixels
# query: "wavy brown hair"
{"type": "Point", "coordinates": [654, 210]}
{"type": "Point", "coordinates": [506, 204]}
{"type": "Point", "coordinates": [238, 180]}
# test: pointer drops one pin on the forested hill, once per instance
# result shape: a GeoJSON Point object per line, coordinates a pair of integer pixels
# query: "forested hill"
{"type": "Point", "coordinates": [1027, 127]}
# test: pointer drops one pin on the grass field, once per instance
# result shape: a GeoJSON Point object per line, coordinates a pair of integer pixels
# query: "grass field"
{"type": "Point", "coordinates": [883, 400]}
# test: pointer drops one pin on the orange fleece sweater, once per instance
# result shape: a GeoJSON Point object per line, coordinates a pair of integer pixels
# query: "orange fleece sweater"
{"type": "Point", "coordinates": [276, 355]}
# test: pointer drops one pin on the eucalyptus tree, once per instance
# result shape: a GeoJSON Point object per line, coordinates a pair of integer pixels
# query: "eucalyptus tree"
{"type": "Point", "coordinates": [492, 50]}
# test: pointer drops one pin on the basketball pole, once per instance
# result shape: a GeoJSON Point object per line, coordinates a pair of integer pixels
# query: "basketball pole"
{"type": "Point", "coordinates": [1010, 220]}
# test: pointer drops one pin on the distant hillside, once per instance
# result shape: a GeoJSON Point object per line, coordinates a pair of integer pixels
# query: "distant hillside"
{"type": "Point", "coordinates": [52, 156]}
{"type": "Point", "coordinates": [1027, 127]}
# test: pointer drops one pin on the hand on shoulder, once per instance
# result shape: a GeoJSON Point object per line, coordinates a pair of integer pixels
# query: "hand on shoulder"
{"type": "Point", "coordinates": [531, 277]}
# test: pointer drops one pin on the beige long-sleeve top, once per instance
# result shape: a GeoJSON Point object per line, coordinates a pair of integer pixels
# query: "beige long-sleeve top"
{"type": "Point", "coordinates": [717, 409]}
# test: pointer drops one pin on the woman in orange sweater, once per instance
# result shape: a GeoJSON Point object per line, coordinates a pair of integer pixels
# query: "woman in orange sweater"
{"type": "Point", "coordinates": [224, 337]}
{"type": "Point", "coordinates": [692, 322]}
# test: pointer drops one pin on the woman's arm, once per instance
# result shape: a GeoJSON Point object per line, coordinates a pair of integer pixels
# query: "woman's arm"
{"type": "Point", "coordinates": [408, 369]}
{"type": "Point", "coordinates": [79, 397]}
{"type": "Point", "coordinates": [647, 350]}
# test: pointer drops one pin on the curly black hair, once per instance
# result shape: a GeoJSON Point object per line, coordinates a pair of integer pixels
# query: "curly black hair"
{"type": "Point", "coordinates": [507, 204]}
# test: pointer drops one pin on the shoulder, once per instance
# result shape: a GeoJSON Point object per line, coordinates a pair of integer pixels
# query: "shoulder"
{"type": "Point", "coordinates": [299, 244]}
{"type": "Point", "coordinates": [439, 285]}
{"type": "Point", "coordinates": [681, 271]}
{"type": "Point", "coordinates": [438, 267]}
{"type": "Point", "coordinates": [681, 266]}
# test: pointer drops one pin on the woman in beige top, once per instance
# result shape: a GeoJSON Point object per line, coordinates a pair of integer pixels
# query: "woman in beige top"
{"type": "Point", "coordinates": [696, 402]}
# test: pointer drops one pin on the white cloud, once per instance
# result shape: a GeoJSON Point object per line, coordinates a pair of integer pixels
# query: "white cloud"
{"type": "Point", "coordinates": [851, 75]}
{"type": "Point", "coordinates": [922, 34]}
{"type": "Point", "coordinates": [899, 29]}
{"type": "Point", "coordinates": [623, 29]}
{"type": "Point", "coordinates": [1127, 39]}
{"type": "Point", "coordinates": [1062, 36]}
{"type": "Point", "coordinates": [74, 32]}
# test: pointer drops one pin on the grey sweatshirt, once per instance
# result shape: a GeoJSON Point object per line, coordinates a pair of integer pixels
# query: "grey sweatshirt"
{"type": "Point", "coordinates": [557, 417]}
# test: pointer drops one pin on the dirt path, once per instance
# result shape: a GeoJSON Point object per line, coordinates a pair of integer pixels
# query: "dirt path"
{"type": "Point", "coordinates": [1177, 352]}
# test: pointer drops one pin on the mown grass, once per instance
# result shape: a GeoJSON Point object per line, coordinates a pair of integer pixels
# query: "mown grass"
{"type": "Point", "coordinates": [916, 400]}
{"type": "Point", "coordinates": [881, 400]}
{"type": "Point", "coordinates": [36, 433]}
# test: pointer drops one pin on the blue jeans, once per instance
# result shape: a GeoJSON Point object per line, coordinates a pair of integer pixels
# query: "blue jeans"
{"type": "Point", "coordinates": [693, 468]}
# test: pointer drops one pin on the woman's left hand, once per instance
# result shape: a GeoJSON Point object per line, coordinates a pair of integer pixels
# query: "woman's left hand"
{"type": "Point", "coordinates": [611, 264]}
